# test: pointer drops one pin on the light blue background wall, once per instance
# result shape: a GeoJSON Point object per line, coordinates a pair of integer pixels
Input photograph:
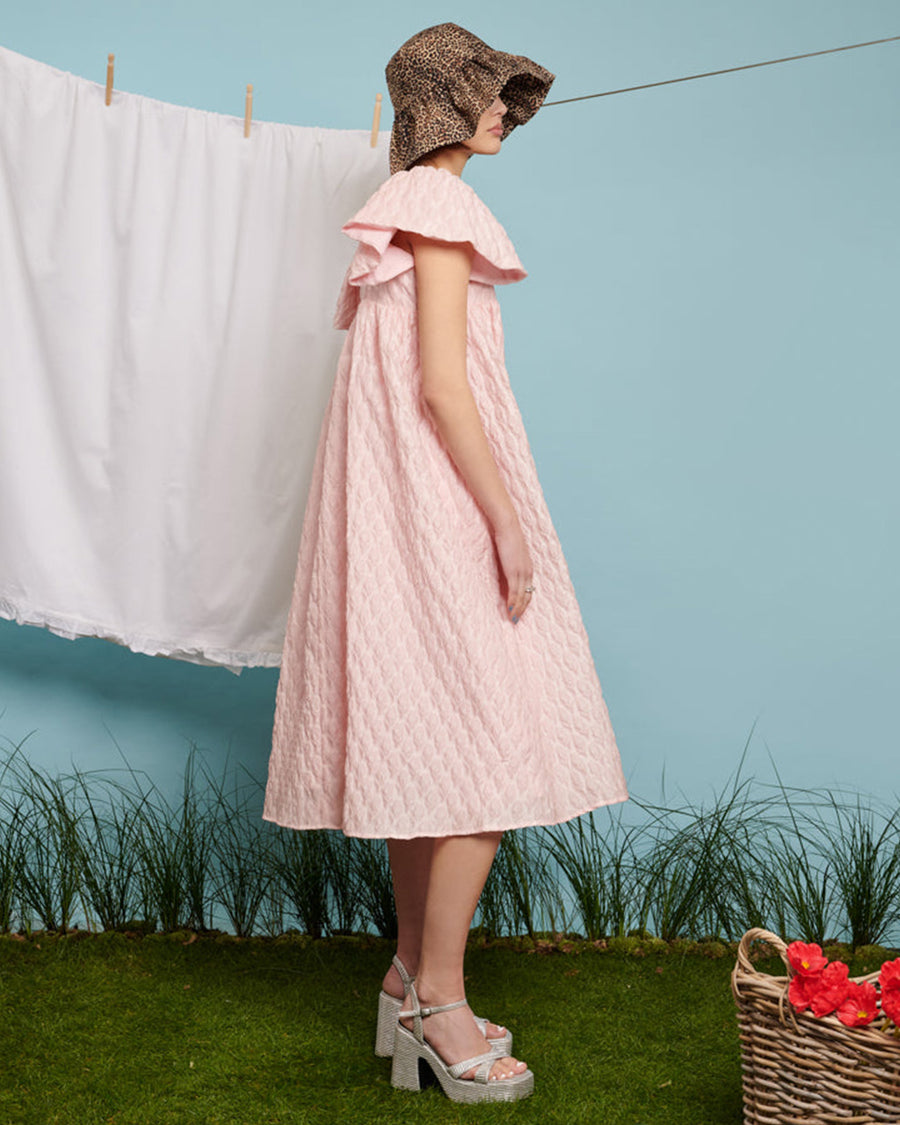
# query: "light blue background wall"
{"type": "Point", "coordinates": [704, 353]}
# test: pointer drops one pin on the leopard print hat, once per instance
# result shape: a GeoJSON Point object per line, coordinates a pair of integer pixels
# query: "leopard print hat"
{"type": "Point", "coordinates": [443, 79]}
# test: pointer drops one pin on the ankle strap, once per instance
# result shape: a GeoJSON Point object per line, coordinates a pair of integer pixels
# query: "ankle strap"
{"type": "Point", "coordinates": [433, 1009]}
{"type": "Point", "coordinates": [418, 1012]}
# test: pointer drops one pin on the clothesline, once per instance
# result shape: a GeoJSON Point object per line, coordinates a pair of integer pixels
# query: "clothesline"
{"type": "Point", "coordinates": [376, 116]}
{"type": "Point", "coordinates": [725, 70]}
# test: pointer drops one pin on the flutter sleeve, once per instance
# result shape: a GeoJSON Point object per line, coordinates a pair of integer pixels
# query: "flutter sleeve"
{"type": "Point", "coordinates": [436, 204]}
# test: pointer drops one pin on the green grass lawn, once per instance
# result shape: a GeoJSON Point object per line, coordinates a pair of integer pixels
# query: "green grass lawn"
{"type": "Point", "coordinates": [121, 1031]}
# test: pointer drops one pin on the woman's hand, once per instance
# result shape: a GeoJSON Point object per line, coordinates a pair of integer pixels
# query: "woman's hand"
{"type": "Point", "coordinates": [515, 564]}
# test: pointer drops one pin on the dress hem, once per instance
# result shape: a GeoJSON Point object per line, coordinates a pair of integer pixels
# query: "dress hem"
{"type": "Point", "coordinates": [370, 835]}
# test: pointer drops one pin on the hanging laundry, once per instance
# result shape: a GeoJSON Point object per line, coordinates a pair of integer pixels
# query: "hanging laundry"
{"type": "Point", "coordinates": [167, 289]}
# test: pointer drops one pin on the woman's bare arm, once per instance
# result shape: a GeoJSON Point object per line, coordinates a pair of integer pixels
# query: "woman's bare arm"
{"type": "Point", "coordinates": [442, 280]}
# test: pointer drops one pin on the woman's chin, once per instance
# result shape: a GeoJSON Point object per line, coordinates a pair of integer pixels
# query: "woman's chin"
{"type": "Point", "coordinates": [491, 145]}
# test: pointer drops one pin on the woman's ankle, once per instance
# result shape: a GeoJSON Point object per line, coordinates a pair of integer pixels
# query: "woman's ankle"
{"type": "Point", "coordinates": [393, 982]}
{"type": "Point", "coordinates": [409, 958]}
{"type": "Point", "coordinates": [441, 989]}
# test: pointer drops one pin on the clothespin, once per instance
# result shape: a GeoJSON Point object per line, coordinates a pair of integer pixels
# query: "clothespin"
{"type": "Point", "coordinates": [376, 121]}
{"type": "Point", "coordinates": [110, 61]}
{"type": "Point", "coordinates": [248, 110]}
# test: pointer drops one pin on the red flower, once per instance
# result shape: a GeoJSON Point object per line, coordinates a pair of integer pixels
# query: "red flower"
{"type": "Point", "coordinates": [807, 960]}
{"type": "Point", "coordinates": [889, 977]}
{"type": "Point", "coordinates": [831, 988]}
{"type": "Point", "coordinates": [800, 991]}
{"type": "Point", "coordinates": [890, 1004]}
{"type": "Point", "coordinates": [860, 1006]}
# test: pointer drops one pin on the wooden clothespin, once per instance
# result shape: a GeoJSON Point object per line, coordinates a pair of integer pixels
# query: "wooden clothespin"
{"type": "Point", "coordinates": [248, 110]}
{"type": "Point", "coordinates": [110, 66]}
{"type": "Point", "coordinates": [376, 121]}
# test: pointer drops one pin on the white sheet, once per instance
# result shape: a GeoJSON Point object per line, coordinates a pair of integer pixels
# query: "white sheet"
{"type": "Point", "coordinates": [166, 351]}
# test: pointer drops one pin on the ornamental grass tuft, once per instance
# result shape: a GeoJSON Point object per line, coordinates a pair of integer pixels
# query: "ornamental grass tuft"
{"type": "Point", "coordinates": [109, 854]}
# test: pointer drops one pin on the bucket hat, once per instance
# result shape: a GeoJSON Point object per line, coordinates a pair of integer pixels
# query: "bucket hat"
{"type": "Point", "coordinates": [443, 79]}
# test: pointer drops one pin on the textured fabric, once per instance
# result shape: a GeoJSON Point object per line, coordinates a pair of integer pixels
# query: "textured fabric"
{"type": "Point", "coordinates": [408, 703]}
{"type": "Point", "coordinates": [441, 81]}
{"type": "Point", "coordinates": [166, 355]}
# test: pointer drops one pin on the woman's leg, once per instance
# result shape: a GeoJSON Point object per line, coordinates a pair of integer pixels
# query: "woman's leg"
{"type": "Point", "coordinates": [410, 871]}
{"type": "Point", "coordinates": [459, 867]}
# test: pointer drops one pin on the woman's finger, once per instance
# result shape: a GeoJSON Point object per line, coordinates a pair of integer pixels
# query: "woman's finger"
{"type": "Point", "coordinates": [519, 599]}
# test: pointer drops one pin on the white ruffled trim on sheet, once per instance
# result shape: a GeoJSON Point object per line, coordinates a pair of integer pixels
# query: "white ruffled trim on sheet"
{"type": "Point", "coordinates": [200, 652]}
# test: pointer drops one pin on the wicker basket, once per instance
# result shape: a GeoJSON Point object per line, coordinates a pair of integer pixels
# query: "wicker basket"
{"type": "Point", "coordinates": [802, 1069]}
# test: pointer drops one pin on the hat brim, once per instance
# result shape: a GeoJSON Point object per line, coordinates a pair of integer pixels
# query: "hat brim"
{"type": "Point", "coordinates": [452, 113]}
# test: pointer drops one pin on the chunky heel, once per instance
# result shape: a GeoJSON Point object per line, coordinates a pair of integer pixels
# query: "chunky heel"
{"type": "Point", "coordinates": [405, 1067]}
{"type": "Point", "coordinates": [388, 1008]}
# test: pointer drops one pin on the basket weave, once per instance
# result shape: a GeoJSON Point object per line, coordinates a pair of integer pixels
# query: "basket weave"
{"type": "Point", "coordinates": [802, 1069]}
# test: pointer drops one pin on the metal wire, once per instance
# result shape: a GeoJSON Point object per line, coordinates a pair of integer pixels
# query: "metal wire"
{"type": "Point", "coordinates": [726, 70]}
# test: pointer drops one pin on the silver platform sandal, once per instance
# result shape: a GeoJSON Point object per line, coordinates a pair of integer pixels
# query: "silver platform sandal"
{"type": "Point", "coordinates": [411, 1050]}
{"type": "Point", "coordinates": [389, 1009]}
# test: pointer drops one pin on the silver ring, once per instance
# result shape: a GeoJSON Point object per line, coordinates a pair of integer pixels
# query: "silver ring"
{"type": "Point", "coordinates": [529, 589]}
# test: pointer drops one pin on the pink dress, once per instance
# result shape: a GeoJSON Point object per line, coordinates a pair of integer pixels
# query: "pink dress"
{"type": "Point", "coordinates": [409, 704]}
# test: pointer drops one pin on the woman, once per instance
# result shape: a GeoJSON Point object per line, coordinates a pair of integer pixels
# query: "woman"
{"type": "Point", "coordinates": [437, 687]}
